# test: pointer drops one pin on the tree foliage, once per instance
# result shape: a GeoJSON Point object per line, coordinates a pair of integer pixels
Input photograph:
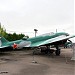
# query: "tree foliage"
{"type": "Point", "coordinates": [2, 31]}
{"type": "Point", "coordinates": [14, 36]}
{"type": "Point", "coordinates": [9, 36]}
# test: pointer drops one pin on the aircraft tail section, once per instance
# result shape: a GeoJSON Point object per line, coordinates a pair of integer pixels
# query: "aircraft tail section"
{"type": "Point", "coordinates": [2, 40]}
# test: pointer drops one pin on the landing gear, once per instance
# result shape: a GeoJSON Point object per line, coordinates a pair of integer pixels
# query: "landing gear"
{"type": "Point", "coordinates": [57, 52]}
{"type": "Point", "coordinates": [46, 50]}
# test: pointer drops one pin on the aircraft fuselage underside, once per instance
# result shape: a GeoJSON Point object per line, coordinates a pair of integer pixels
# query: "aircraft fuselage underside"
{"type": "Point", "coordinates": [46, 48]}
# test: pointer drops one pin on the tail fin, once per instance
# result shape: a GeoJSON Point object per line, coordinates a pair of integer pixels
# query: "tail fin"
{"type": "Point", "coordinates": [2, 40]}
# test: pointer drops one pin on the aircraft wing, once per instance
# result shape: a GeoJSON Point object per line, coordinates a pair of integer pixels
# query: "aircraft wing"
{"type": "Point", "coordinates": [4, 46]}
{"type": "Point", "coordinates": [9, 44]}
{"type": "Point", "coordinates": [49, 41]}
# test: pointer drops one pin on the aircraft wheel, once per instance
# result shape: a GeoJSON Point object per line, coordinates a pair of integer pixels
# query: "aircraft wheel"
{"type": "Point", "coordinates": [46, 52]}
{"type": "Point", "coordinates": [51, 51]}
{"type": "Point", "coordinates": [57, 52]}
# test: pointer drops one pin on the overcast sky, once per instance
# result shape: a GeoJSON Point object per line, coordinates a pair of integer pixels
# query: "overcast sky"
{"type": "Point", "coordinates": [44, 15]}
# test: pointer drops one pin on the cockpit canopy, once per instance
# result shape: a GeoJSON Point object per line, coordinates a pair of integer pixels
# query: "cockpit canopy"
{"type": "Point", "coordinates": [48, 34]}
{"type": "Point", "coordinates": [24, 38]}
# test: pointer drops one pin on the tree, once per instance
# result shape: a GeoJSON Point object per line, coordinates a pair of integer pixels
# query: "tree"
{"type": "Point", "coordinates": [2, 31]}
{"type": "Point", "coordinates": [11, 37]}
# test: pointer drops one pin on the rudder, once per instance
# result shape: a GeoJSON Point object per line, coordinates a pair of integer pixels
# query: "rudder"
{"type": "Point", "coordinates": [2, 40]}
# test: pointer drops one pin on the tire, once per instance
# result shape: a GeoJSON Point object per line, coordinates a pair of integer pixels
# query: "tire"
{"type": "Point", "coordinates": [51, 51]}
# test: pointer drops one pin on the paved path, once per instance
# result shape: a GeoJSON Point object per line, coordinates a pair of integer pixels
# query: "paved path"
{"type": "Point", "coordinates": [20, 63]}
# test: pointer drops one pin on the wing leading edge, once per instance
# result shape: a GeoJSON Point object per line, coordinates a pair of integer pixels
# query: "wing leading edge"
{"type": "Point", "coordinates": [49, 41]}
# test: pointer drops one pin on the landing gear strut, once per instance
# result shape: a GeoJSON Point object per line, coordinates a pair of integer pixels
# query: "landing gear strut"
{"type": "Point", "coordinates": [47, 50]}
{"type": "Point", "coordinates": [57, 52]}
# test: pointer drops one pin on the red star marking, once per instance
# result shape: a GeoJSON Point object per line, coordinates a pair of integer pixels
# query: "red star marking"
{"type": "Point", "coordinates": [15, 46]}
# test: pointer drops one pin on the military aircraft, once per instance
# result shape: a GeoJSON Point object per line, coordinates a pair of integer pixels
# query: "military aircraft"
{"type": "Point", "coordinates": [48, 39]}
